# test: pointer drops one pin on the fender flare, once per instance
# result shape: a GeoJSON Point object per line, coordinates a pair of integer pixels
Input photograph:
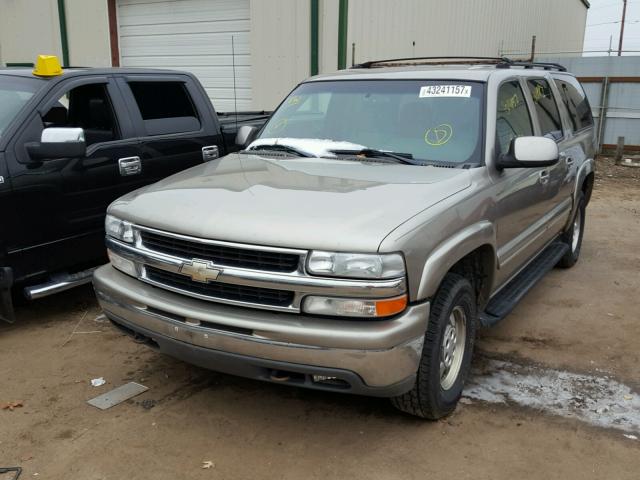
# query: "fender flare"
{"type": "Point", "coordinates": [583, 171]}
{"type": "Point", "coordinates": [451, 251]}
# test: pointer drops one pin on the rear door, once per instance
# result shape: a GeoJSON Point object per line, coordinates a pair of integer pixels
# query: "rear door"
{"type": "Point", "coordinates": [174, 121]}
{"type": "Point", "coordinates": [555, 180]}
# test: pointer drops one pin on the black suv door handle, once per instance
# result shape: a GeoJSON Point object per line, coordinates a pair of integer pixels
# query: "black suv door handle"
{"type": "Point", "coordinates": [129, 166]}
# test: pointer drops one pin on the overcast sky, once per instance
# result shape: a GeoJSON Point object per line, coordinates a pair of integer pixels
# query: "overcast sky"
{"type": "Point", "coordinates": [601, 26]}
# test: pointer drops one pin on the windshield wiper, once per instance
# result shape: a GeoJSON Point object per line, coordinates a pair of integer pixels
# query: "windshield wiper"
{"type": "Point", "coordinates": [405, 158]}
{"type": "Point", "coordinates": [279, 148]}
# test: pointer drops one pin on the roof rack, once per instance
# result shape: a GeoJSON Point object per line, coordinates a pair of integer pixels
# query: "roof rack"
{"type": "Point", "coordinates": [499, 62]}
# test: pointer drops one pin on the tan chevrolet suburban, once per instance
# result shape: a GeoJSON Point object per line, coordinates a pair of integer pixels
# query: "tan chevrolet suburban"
{"type": "Point", "coordinates": [362, 236]}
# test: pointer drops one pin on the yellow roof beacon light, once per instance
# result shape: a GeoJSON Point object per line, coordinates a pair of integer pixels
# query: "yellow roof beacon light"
{"type": "Point", "coordinates": [47, 66]}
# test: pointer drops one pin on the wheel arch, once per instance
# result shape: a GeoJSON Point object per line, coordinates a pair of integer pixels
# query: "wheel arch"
{"type": "Point", "coordinates": [470, 252]}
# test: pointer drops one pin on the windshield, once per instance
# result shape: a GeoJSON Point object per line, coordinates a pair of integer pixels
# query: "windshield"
{"type": "Point", "coordinates": [437, 121]}
{"type": "Point", "coordinates": [15, 92]}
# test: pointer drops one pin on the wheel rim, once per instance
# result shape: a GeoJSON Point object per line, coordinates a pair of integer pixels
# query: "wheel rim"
{"type": "Point", "coordinates": [577, 224]}
{"type": "Point", "coordinates": [452, 347]}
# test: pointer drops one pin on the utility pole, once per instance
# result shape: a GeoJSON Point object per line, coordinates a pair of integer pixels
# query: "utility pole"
{"type": "Point", "coordinates": [624, 14]}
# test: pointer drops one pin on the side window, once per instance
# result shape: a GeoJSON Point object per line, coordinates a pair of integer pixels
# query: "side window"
{"type": "Point", "coordinates": [577, 105]}
{"type": "Point", "coordinates": [165, 107]}
{"type": "Point", "coordinates": [546, 108]}
{"type": "Point", "coordinates": [513, 118]}
{"type": "Point", "coordinates": [87, 107]}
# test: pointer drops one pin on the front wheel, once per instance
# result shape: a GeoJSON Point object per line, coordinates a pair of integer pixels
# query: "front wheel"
{"type": "Point", "coordinates": [573, 236]}
{"type": "Point", "coordinates": [446, 354]}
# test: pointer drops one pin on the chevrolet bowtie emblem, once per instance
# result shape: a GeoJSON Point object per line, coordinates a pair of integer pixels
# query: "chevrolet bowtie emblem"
{"type": "Point", "coordinates": [200, 271]}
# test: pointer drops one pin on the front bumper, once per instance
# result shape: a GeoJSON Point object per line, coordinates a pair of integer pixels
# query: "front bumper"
{"type": "Point", "coordinates": [372, 357]}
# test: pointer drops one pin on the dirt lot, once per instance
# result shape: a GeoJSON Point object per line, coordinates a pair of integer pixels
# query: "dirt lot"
{"type": "Point", "coordinates": [584, 320]}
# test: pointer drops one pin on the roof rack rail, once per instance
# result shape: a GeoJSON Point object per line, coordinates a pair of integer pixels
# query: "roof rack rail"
{"type": "Point", "coordinates": [432, 61]}
{"type": "Point", "coordinates": [499, 62]}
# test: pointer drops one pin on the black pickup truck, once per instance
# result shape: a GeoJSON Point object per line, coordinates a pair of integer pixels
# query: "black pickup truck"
{"type": "Point", "coordinates": [70, 144]}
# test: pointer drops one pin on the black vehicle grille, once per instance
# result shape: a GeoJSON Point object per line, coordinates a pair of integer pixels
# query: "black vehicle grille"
{"type": "Point", "coordinates": [221, 255]}
{"type": "Point", "coordinates": [240, 293]}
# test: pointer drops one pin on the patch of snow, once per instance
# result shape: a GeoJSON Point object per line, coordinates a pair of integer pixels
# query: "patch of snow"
{"type": "Point", "coordinates": [313, 146]}
{"type": "Point", "coordinates": [599, 401]}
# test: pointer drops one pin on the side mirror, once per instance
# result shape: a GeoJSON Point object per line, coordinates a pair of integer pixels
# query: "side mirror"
{"type": "Point", "coordinates": [246, 134]}
{"type": "Point", "coordinates": [529, 152]}
{"type": "Point", "coordinates": [58, 143]}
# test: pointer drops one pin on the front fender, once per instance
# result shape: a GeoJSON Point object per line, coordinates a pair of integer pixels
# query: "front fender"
{"type": "Point", "coordinates": [452, 250]}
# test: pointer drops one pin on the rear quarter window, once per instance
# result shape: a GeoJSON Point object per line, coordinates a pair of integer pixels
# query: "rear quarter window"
{"type": "Point", "coordinates": [577, 105]}
{"type": "Point", "coordinates": [165, 107]}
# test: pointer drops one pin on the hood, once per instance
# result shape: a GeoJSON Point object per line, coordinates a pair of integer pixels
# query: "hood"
{"type": "Point", "coordinates": [307, 203]}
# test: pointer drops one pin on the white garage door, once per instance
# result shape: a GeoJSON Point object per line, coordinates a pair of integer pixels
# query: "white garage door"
{"type": "Point", "coordinates": [191, 35]}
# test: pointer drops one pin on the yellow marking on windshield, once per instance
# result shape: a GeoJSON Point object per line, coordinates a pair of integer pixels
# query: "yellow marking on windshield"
{"type": "Point", "coordinates": [438, 136]}
{"type": "Point", "coordinates": [279, 126]}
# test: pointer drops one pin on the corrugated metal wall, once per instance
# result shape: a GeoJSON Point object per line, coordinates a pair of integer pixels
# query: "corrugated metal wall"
{"type": "Point", "coordinates": [280, 48]}
{"type": "Point", "coordinates": [383, 29]}
{"type": "Point", "coordinates": [623, 102]}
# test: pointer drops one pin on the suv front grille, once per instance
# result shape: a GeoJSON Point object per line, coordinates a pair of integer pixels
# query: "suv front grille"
{"type": "Point", "coordinates": [222, 291]}
{"type": "Point", "coordinates": [221, 254]}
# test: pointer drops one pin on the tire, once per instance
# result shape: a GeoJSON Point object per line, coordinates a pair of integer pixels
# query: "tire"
{"type": "Point", "coordinates": [434, 396]}
{"type": "Point", "coordinates": [573, 236]}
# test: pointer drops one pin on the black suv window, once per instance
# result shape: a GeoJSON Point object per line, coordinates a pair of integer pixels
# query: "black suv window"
{"type": "Point", "coordinates": [577, 104]}
{"type": "Point", "coordinates": [513, 118]}
{"type": "Point", "coordinates": [165, 107]}
{"type": "Point", "coordinates": [87, 107]}
{"type": "Point", "coordinates": [546, 108]}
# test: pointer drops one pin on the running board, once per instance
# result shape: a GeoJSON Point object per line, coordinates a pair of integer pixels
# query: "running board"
{"type": "Point", "coordinates": [505, 301]}
{"type": "Point", "coordinates": [59, 283]}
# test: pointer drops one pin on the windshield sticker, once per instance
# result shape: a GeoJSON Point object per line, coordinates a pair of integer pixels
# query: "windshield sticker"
{"type": "Point", "coordinates": [432, 91]}
{"type": "Point", "coordinates": [438, 136]}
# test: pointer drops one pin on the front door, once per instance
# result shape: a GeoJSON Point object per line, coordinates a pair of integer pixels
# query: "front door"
{"type": "Point", "coordinates": [519, 191]}
{"type": "Point", "coordinates": [62, 201]}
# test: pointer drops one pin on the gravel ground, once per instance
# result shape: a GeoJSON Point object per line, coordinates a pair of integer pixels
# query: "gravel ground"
{"type": "Point", "coordinates": [578, 323]}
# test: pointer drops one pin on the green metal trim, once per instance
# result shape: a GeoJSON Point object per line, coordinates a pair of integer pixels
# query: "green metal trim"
{"type": "Point", "coordinates": [343, 21]}
{"type": "Point", "coordinates": [62, 17]}
{"type": "Point", "coordinates": [315, 9]}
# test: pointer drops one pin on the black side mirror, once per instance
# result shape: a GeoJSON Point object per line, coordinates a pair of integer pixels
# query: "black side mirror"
{"type": "Point", "coordinates": [246, 134]}
{"type": "Point", "coordinates": [58, 143]}
{"type": "Point", "coordinates": [529, 152]}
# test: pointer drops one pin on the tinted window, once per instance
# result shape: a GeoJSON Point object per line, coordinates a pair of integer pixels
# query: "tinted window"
{"type": "Point", "coordinates": [546, 108]}
{"type": "Point", "coordinates": [431, 120]}
{"type": "Point", "coordinates": [513, 119]}
{"type": "Point", "coordinates": [577, 105]}
{"type": "Point", "coordinates": [165, 107]}
{"type": "Point", "coordinates": [15, 92]}
{"type": "Point", "coordinates": [87, 107]}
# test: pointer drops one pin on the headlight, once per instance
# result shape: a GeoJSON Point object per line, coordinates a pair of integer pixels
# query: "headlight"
{"type": "Point", "coordinates": [119, 229]}
{"type": "Point", "coordinates": [351, 307]}
{"type": "Point", "coordinates": [123, 264]}
{"type": "Point", "coordinates": [356, 265]}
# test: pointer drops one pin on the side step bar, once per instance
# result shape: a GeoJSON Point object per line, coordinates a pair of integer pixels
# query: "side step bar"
{"type": "Point", "coordinates": [59, 283]}
{"type": "Point", "coordinates": [505, 301]}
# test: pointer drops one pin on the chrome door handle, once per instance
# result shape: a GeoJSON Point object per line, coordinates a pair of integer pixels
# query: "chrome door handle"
{"type": "Point", "coordinates": [210, 153]}
{"type": "Point", "coordinates": [129, 166]}
{"type": "Point", "coordinates": [544, 176]}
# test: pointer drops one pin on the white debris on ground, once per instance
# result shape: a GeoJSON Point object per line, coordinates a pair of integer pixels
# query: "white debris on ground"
{"type": "Point", "coordinates": [597, 400]}
{"type": "Point", "coordinates": [98, 382]}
